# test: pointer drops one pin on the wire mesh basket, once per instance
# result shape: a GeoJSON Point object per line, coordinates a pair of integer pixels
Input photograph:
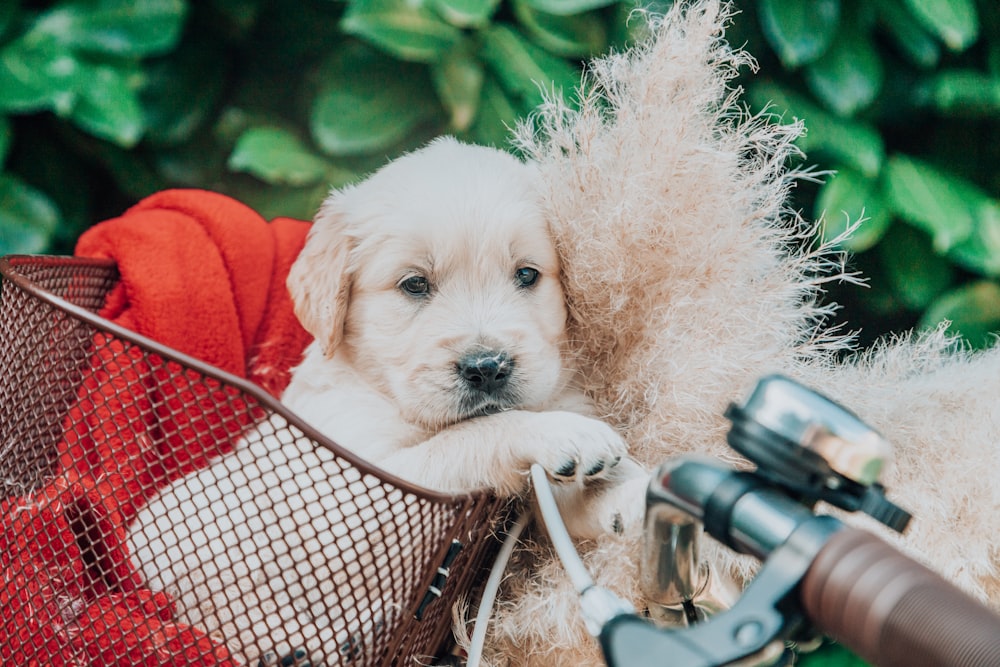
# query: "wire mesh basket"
{"type": "Point", "coordinates": [157, 511]}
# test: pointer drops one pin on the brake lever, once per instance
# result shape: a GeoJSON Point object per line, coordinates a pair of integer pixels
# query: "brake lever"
{"type": "Point", "coordinates": [767, 610]}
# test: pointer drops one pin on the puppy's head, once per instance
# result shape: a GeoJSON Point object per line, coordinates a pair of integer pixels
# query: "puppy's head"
{"type": "Point", "coordinates": [437, 279]}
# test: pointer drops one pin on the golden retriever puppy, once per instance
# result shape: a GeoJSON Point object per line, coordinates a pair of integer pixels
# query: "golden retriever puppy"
{"type": "Point", "coordinates": [433, 291]}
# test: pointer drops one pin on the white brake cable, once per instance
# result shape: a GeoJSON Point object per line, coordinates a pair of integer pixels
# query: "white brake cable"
{"type": "Point", "coordinates": [556, 529]}
{"type": "Point", "coordinates": [490, 591]}
{"type": "Point", "coordinates": [598, 604]}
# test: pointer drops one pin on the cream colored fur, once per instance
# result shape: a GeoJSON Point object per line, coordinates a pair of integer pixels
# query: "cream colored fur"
{"type": "Point", "coordinates": [686, 281]}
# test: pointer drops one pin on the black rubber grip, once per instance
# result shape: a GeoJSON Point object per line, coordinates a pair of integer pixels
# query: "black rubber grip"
{"type": "Point", "coordinates": [894, 612]}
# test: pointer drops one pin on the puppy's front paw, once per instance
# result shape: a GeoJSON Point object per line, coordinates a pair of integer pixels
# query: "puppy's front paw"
{"type": "Point", "coordinates": [616, 507]}
{"type": "Point", "coordinates": [578, 448]}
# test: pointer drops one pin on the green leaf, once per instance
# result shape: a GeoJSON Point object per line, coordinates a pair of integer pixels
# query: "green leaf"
{"type": "Point", "coordinates": [115, 27]}
{"type": "Point", "coordinates": [28, 218]}
{"type": "Point", "coordinates": [276, 156]}
{"type": "Point", "coordinates": [37, 73]}
{"type": "Point", "coordinates": [466, 13]}
{"type": "Point", "coordinates": [980, 252]}
{"type": "Point", "coordinates": [849, 75]}
{"type": "Point", "coordinates": [847, 197]}
{"type": "Point", "coordinates": [497, 115]}
{"type": "Point", "coordinates": [107, 105]}
{"type": "Point", "coordinates": [973, 311]}
{"type": "Point", "coordinates": [932, 200]}
{"type": "Point", "coordinates": [966, 93]}
{"type": "Point", "coordinates": [408, 30]}
{"type": "Point", "coordinates": [523, 69]}
{"type": "Point", "coordinates": [370, 102]}
{"type": "Point", "coordinates": [909, 35]}
{"type": "Point", "coordinates": [458, 79]}
{"type": "Point", "coordinates": [955, 22]}
{"type": "Point", "coordinates": [576, 35]}
{"type": "Point", "coordinates": [567, 7]}
{"type": "Point", "coordinates": [799, 31]}
{"type": "Point", "coordinates": [916, 273]}
{"type": "Point", "coordinates": [852, 143]}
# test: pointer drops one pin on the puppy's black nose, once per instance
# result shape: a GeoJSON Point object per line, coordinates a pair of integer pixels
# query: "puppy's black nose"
{"type": "Point", "coordinates": [486, 371]}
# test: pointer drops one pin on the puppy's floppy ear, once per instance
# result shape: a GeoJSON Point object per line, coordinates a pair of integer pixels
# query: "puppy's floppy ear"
{"type": "Point", "coordinates": [319, 281]}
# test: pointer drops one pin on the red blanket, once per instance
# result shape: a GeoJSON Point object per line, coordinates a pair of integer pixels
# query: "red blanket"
{"type": "Point", "coordinates": [202, 274]}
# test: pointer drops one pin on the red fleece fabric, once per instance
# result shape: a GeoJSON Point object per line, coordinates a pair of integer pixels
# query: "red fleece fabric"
{"type": "Point", "coordinates": [205, 275]}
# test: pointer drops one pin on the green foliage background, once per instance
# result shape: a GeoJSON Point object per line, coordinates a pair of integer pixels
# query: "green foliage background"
{"type": "Point", "coordinates": [105, 101]}
{"type": "Point", "coordinates": [901, 98]}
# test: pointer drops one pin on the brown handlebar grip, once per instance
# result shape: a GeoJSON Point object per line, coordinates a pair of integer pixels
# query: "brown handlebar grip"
{"type": "Point", "coordinates": [894, 612]}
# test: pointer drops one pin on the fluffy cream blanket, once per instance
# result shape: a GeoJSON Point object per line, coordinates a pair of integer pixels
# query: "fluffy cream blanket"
{"type": "Point", "coordinates": [687, 281]}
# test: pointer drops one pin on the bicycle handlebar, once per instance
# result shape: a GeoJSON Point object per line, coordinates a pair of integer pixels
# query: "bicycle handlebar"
{"type": "Point", "coordinates": [818, 572]}
{"type": "Point", "coordinates": [892, 611]}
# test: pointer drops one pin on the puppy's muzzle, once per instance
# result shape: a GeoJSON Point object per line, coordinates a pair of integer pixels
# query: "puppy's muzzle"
{"type": "Point", "coordinates": [486, 371]}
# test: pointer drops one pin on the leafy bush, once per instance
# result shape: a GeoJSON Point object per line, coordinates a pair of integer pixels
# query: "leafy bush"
{"type": "Point", "coordinates": [105, 101]}
{"type": "Point", "coordinates": [901, 98]}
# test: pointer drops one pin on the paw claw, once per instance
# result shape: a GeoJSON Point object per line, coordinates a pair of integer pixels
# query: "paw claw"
{"type": "Point", "coordinates": [617, 524]}
{"type": "Point", "coordinates": [566, 472]}
{"type": "Point", "coordinates": [578, 449]}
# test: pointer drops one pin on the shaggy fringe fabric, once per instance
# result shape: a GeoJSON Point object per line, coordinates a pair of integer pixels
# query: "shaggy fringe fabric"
{"type": "Point", "coordinates": [687, 281]}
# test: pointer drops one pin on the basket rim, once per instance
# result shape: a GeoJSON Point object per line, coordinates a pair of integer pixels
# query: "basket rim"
{"type": "Point", "coordinates": [9, 271]}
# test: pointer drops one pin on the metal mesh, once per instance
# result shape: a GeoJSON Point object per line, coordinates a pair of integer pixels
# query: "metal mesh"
{"type": "Point", "coordinates": [154, 510]}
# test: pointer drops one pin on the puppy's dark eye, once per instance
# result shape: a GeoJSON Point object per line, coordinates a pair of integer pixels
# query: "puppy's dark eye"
{"type": "Point", "coordinates": [416, 286]}
{"type": "Point", "coordinates": [526, 276]}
